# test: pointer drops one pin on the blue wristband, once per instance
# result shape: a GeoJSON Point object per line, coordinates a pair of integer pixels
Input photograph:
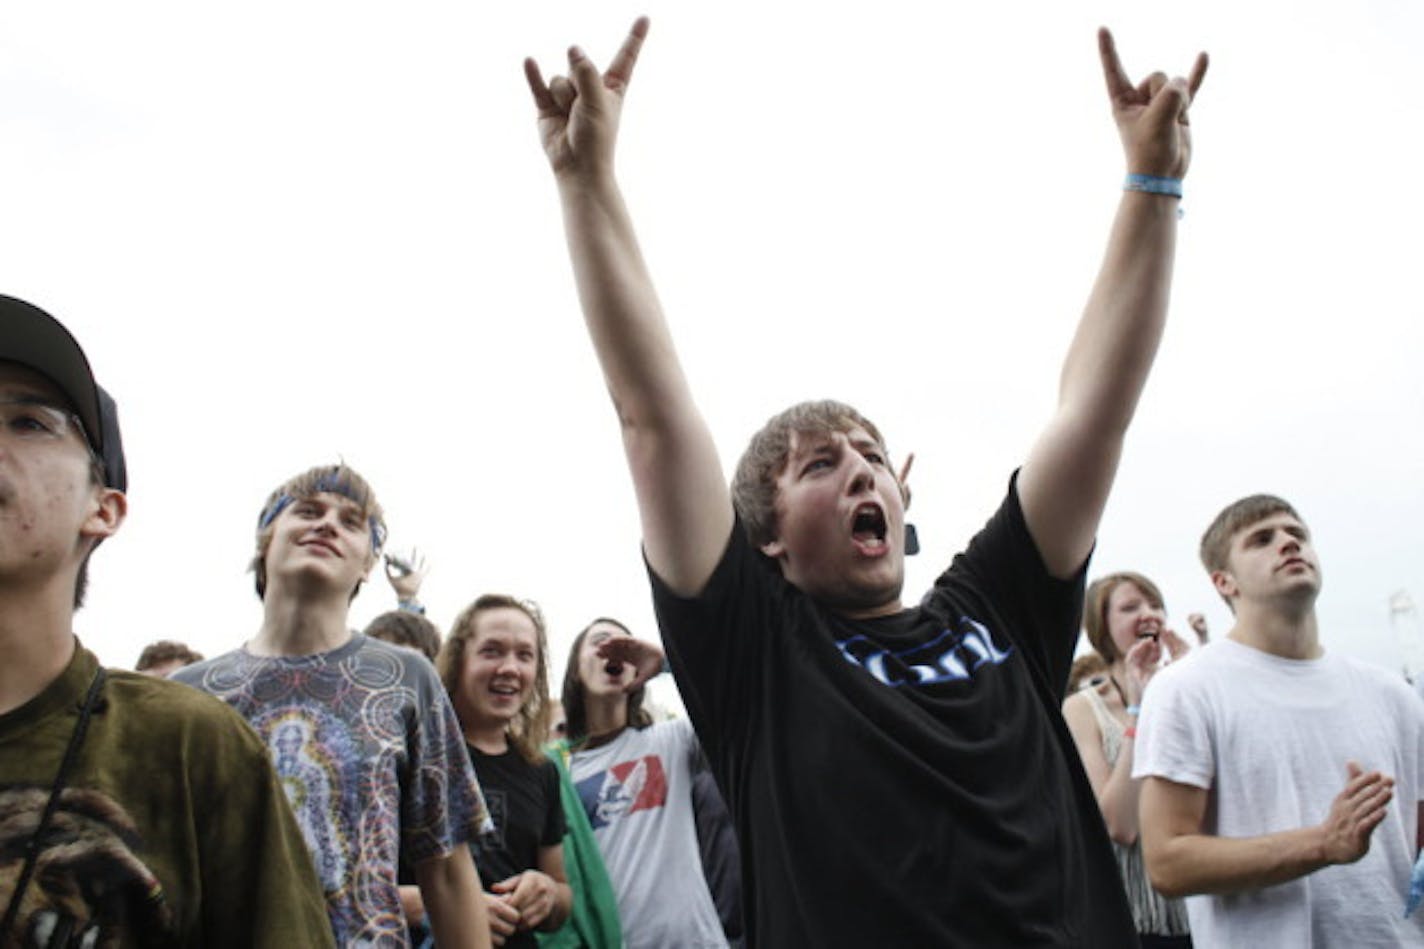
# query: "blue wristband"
{"type": "Point", "coordinates": [1154, 184]}
{"type": "Point", "coordinates": [1134, 710]}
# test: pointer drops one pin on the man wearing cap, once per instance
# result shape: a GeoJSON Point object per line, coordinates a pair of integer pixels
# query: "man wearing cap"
{"type": "Point", "coordinates": [133, 810]}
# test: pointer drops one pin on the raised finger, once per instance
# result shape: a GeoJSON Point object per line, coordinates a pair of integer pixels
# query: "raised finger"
{"type": "Point", "coordinates": [537, 86]}
{"type": "Point", "coordinates": [905, 468]}
{"type": "Point", "coordinates": [1194, 81]}
{"type": "Point", "coordinates": [620, 71]}
{"type": "Point", "coordinates": [1113, 73]}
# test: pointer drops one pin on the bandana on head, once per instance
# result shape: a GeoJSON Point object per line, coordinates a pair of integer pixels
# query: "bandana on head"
{"type": "Point", "coordinates": [327, 484]}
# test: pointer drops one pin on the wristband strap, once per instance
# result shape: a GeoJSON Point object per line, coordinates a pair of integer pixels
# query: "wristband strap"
{"type": "Point", "coordinates": [1154, 184]}
{"type": "Point", "coordinates": [1134, 710]}
{"type": "Point", "coordinates": [412, 606]}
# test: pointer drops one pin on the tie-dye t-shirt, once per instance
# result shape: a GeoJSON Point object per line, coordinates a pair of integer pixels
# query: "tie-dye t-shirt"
{"type": "Point", "coordinates": [368, 748]}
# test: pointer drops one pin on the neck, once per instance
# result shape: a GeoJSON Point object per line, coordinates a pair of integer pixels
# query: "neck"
{"type": "Point", "coordinates": [605, 716]}
{"type": "Point", "coordinates": [1287, 633]}
{"type": "Point", "coordinates": [1120, 683]}
{"type": "Point", "coordinates": [36, 639]}
{"type": "Point", "coordinates": [490, 735]}
{"type": "Point", "coordinates": [492, 739]}
{"type": "Point", "coordinates": [873, 612]}
{"type": "Point", "coordinates": [300, 626]}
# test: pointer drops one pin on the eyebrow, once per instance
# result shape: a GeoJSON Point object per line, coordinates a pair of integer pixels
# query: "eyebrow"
{"type": "Point", "coordinates": [30, 397]}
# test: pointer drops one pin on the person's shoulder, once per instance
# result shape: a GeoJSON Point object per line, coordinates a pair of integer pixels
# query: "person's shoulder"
{"type": "Point", "coordinates": [195, 674]}
{"type": "Point", "coordinates": [173, 710]}
{"type": "Point", "coordinates": [676, 733]}
{"type": "Point", "coordinates": [1388, 683]}
{"type": "Point", "coordinates": [1078, 703]}
{"type": "Point", "coordinates": [412, 661]}
{"type": "Point", "coordinates": [1206, 661]}
{"type": "Point", "coordinates": [545, 768]}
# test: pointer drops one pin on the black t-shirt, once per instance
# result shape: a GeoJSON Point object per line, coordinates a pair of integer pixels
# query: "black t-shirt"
{"type": "Point", "coordinates": [524, 803]}
{"type": "Point", "coordinates": [902, 781]}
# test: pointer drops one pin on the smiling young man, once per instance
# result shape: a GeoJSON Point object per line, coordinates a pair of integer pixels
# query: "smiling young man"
{"type": "Point", "coordinates": [361, 732]}
{"type": "Point", "coordinates": [133, 811]}
{"type": "Point", "coordinates": [1282, 783]}
{"type": "Point", "coordinates": [898, 776]}
{"type": "Point", "coordinates": [494, 666]}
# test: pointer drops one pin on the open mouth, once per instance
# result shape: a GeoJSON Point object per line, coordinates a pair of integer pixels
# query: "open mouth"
{"type": "Point", "coordinates": [614, 668]}
{"type": "Point", "coordinates": [868, 526]}
{"type": "Point", "coordinates": [1149, 629]}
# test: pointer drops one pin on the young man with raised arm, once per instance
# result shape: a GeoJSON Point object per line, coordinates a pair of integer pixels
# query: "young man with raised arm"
{"type": "Point", "coordinates": [133, 811]}
{"type": "Point", "coordinates": [362, 733]}
{"type": "Point", "coordinates": [1282, 782]}
{"type": "Point", "coordinates": [898, 776]}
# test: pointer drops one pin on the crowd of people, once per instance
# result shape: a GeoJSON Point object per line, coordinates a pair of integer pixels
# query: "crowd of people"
{"type": "Point", "coordinates": [851, 770]}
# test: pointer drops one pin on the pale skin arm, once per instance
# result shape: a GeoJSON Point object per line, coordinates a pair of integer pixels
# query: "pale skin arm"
{"type": "Point", "coordinates": [1181, 860]}
{"type": "Point", "coordinates": [1116, 792]}
{"type": "Point", "coordinates": [1065, 481]}
{"type": "Point", "coordinates": [682, 496]}
{"type": "Point", "coordinates": [451, 891]}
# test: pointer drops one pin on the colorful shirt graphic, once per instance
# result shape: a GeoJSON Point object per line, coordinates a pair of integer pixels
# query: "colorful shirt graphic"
{"type": "Point", "coordinates": [625, 788]}
{"type": "Point", "coordinates": [369, 751]}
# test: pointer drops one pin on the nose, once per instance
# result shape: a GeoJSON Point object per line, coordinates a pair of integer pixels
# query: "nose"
{"type": "Point", "coordinates": [862, 475]}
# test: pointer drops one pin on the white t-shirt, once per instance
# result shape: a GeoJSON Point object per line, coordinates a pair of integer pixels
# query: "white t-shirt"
{"type": "Point", "coordinates": [1269, 738]}
{"type": "Point", "coordinates": [637, 792]}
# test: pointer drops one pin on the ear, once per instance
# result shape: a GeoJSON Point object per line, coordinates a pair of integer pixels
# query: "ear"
{"type": "Point", "coordinates": [1225, 583]}
{"type": "Point", "coordinates": [106, 515]}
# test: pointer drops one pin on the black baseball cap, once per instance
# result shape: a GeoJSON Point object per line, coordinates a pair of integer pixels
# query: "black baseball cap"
{"type": "Point", "coordinates": [31, 337]}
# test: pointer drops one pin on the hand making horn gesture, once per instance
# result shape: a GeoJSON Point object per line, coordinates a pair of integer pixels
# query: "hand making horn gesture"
{"type": "Point", "coordinates": [578, 113]}
{"type": "Point", "coordinates": [1152, 115]}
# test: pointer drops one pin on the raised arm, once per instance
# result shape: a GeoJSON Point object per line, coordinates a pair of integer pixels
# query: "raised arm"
{"type": "Point", "coordinates": [1182, 860]}
{"type": "Point", "coordinates": [1065, 482]}
{"type": "Point", "coordinates": [683, 501]}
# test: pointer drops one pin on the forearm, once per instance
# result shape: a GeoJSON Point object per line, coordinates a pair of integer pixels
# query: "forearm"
{"type": "Point", "coordinates": [1118, 798]}
{"type": "Point", "coordinates": [1201, 863]}
{"type": "Point", "coordinates": [1065, 481]}
{"type": "Point", "coordinates": [453, 900]}
{"type": "Point", "coordinates": [1118, 335]}
{"type": "Point", "coordinates": [625, 319]}
{"type": "Point", "coordinates": [682, 495]}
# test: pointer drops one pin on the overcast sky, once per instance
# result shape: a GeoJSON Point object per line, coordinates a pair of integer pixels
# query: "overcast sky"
{"type": "Point", "coordinates": [290, 233]}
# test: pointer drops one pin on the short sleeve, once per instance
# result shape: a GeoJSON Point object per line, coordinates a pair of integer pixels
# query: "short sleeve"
{"type": "Point", "coordinates": [718, 642]}
{"type": "Point", "coordinates": [1174, 735]}
{"type": "Point", "coordinates": [1041, 612]}
{"type": "Point", "coordinates": [442, 806]}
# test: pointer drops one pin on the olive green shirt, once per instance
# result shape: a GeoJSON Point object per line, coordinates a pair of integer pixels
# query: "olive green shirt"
{"type": "Point", "coordinates": [172, 829]}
